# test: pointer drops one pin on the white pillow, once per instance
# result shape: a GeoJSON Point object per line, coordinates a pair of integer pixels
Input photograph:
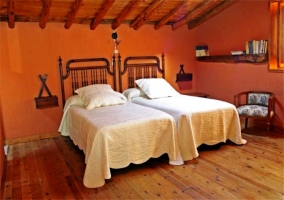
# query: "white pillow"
{"type": "Point", "coordinates": [83, 91]}
{"type": "Point", "coordinates": [156, 88]}
{"type": "Point", "coordinates": [73, 100]}
{"type": "Point", "coordinates": [103, 98]}
{"type": "Point", "coordinates": [132, 93]}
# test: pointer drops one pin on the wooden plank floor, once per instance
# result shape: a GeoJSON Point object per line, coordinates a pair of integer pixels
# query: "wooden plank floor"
{"type": "Point", "coordinates": [54, 169]}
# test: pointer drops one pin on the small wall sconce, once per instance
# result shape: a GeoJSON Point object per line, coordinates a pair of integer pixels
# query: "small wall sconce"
{"type": "Point", "coordinates": [182, 76]}
{"type": "Point", "coordinates": [116, 41]}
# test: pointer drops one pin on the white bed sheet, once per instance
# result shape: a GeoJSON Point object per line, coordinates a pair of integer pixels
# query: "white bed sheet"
{"type": "Point", "coordinates": [115, 136]}
{"type": "Point", "coordinates": [199, 121]}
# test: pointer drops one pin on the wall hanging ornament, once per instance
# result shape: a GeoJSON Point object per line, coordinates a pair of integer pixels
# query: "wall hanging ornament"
{"type": "Point", "coordinates": [45, 101]}
{"type": "Point", "coordinates": [116, 41]}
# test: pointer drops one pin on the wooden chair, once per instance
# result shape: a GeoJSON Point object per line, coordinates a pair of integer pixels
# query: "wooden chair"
{"type": "Point", "coordinates": [255, 105]}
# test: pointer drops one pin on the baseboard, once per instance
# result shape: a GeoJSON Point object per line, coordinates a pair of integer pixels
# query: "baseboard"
{"type": "Point", "coordinates": [30, 138]}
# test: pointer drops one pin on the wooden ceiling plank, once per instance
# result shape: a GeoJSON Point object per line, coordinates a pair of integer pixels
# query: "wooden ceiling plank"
{"type": "Point", "coordinates": [207, 5]}
{"type": "Point", "coordinates": [165, 19]}
{"type": "Point", "coordinates": [11, 13]}
{"type": "Point", "coordinates": [127, 11]}
{"type": "Point", "coordinates": [101, 14]}
{"type": "Point", "coordinates": [73, 13]}
{"type": "Point", "coordinates": [149, 9]}
{"type": "Point", "coordinates": [148, 15]}
{"type": "Point", "coordinates": [45, 13]}
{"type": "Point", "coordinates": [211, 13]}
{"type": "Point", "coordinates": [195, 12]}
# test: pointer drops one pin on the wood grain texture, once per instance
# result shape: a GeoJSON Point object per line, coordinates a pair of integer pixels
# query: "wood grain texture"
{"type": "Point", "coordinates": [147, 14]}
{"type": "Point", "coordinates": [53, 169]}
{"type": "Point", "coordinates": [195, 13]}
{"type": "Point", "coordinates": [30, 138]}
{"type": "Point", "coordinates": [211, 13]}
{"type": "Point", "coordinates": [72, 14]}
{"type": "Point", "coordinates": [243, 58]}
{"type": "Point", "coordinates": [276, 36]}
{"type": "Point", "coordinates": [136, 13]}
{"type": "Point", "coordinates": [11, 13]}
{"type": "Point", "coordinates": [100, 15]}
{"type": "Point", "coordinates": [175, 11]}
{"type": "Point", "coordinates": [45, 13]}
{"type": "Point", "coordinates": [125, 12]}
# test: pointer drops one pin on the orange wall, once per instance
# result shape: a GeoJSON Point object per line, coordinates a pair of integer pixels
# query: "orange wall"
{"type": "Point", "coordinates": [243, 21]}
{"type": "Point", "coordinates": [2, 156]}
{"type": "Point", "coordinates": [27, 51]}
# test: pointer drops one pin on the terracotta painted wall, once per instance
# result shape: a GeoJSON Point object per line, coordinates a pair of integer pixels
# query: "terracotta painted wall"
{"type": "Point", "coordinates": [243, 21]}
{"type": "Point", "coordinates": [2, 156]}
{"type": "Point", "coordinates": [2, 159]}
{"type": "Point", "coordinates": [27, 51]}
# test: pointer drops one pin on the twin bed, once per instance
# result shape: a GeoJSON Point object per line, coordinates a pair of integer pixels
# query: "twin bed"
{"type": "Point", "coordinates": [115, 129]}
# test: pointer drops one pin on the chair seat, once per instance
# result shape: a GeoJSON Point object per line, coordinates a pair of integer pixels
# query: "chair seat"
{"type": "Point", "coordinates": [253, 110]}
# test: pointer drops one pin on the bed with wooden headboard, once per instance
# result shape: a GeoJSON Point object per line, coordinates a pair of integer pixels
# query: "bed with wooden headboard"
{"type": "Point", "coordinates": [199, 120]}
{"type": "Point", "coordinates": [111, 131]}
{"type": "Point", "coordinates": [136, 67]}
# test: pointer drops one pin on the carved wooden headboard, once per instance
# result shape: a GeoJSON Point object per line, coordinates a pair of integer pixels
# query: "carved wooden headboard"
{"type": "Point", "coordinates": [86, 71]}
{"type": "Point", "coordinates": [137, 67]}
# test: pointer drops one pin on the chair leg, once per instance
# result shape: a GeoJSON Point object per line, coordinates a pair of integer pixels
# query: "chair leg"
{"type": "Point", "coordinates": [246, 123]}
{"type": "Point", "coordinates": [268, 127]}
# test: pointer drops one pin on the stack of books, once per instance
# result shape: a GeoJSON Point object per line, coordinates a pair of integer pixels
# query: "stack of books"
{"type": "Point", "coordinates": [256, 47]}
{"type": "Point", "coordinates": [202, 51]}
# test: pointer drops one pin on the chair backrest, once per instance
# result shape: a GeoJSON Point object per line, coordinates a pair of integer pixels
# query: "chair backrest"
{"type": "Point", "coordinates": [256, 98]}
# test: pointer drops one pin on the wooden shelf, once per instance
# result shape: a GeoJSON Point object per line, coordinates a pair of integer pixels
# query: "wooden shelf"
{"type": "Point", "coordinates": [244, 58]}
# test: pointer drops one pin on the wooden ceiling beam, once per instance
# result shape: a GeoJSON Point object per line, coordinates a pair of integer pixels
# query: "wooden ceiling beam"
{"type": "Point", "coordinates": [147, 16]}
{"type": "Point", "coordinates": [45, 13]}
{"type": "Point", "coordinates": [165, 19]}
{"type": "Point", "coordinates": [127, 11]}
{"type": "Point", "coordinates": [210, 14]}
{"type": "Point", "coordinates": [11, 13]}
{"type": "Point", "coordinates": [101, 13]}
{"type": "Point", "coordinates": [73, 13]}
{"type": "Point", "coordinates": [198, 11]}
{"type": "Point", "coordinates": [207, 5]}
{"type": "Point", "coordinates": [145, 13]}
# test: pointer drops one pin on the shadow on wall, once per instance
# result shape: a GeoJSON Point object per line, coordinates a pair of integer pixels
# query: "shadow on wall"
{"type": "Point", "coordinates": [278, 110]}
{"type": "Point", "coordinates": [2, 156]}
{"type": "Point", "coordinates": [185, 85]}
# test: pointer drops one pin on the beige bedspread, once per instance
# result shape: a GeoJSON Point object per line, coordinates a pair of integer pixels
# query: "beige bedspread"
{"type": "Point", "coordinates": [199, 121]}
{"type": "Point", "coordinates": [115, 136]}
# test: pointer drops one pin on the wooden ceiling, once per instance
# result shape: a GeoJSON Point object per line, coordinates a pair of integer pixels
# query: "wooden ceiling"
{"type": "Point", "coordinates": [136, 13]}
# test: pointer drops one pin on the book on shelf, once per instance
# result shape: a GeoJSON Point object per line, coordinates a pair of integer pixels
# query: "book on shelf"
{"type": "Point", "coordinates": [256, 47]}
{"type": "Point", "coordinates": [202, 51]}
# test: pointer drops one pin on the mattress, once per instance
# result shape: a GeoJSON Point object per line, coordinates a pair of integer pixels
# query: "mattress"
{"type": "Point", "coordinates": [199, 121]}
{"type": "Point", "coordinates": [115, 136]}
